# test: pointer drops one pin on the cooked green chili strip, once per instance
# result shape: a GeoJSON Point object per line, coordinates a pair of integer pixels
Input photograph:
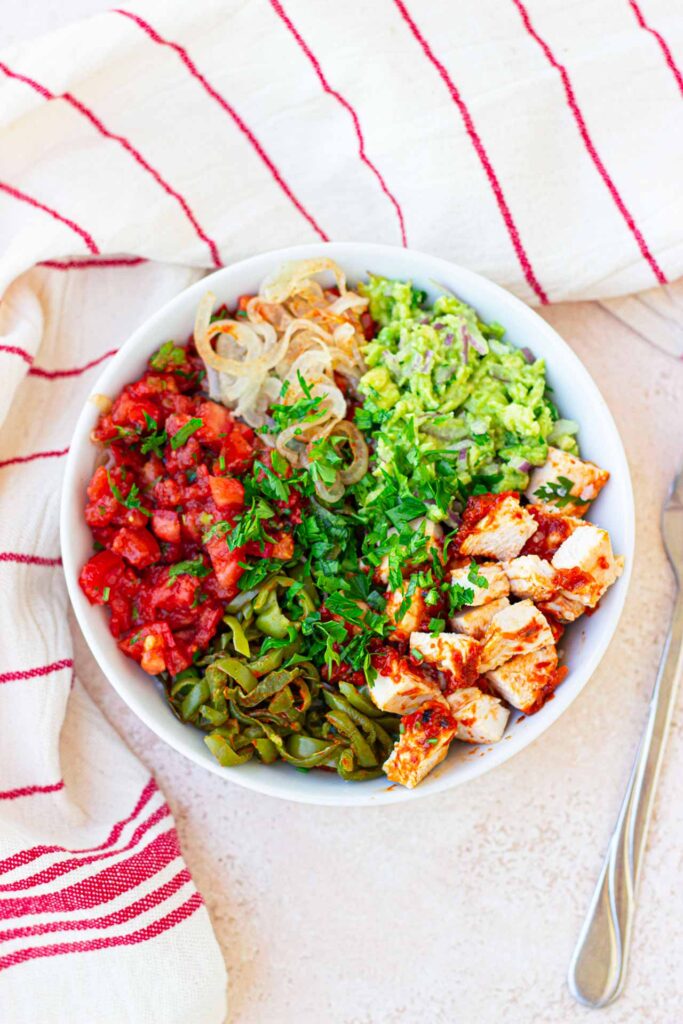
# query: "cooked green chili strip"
{"type": "Point", "coordinates": [224, 753]}
{"type": "Point", "coordinates": [239, 639]}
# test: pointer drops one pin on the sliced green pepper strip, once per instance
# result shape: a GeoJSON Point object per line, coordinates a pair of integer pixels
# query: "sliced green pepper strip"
{"type": "Point", "coordinates": [223, 752]}
{"type": "Point", "coordinates": [359, 774]}
{"type": "Point", "coordinates": [239, 639]}
{"type": "Point", "coordinates": [361, 748]}
{"type": "Point", "coordinates": [273, 658]}
{"type": "Point", "coordinates": [197, 696]}
{"type": "Point", "coordinates": [369, 726]}
{"type": "Point", "coordinates": [359, 700]}
{"type": "Point", "coordinates": [266, 750]}
{"type": "Point", "coordinates": [268, 687]}
{"type": "Point", "coordinates": [238, 671]}
{"type": "Point", "coordinates": [271, 620]}
{"type": "Point", "coordinates": [213, 716]}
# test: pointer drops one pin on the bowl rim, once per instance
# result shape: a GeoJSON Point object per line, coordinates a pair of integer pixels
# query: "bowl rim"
{"type": "Point", "coordinates": [264, 782]}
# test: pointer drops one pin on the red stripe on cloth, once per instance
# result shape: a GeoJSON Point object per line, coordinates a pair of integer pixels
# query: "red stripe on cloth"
{"type": "Point", "coordinates": [14, 350]}
{"type": "Point", "coordinates": [14, 556]}
{"type": "Point", "coordinates": [99, 126]}
{"type": "Point", "coordinates": [54, 871]}
{"type": "Point", "coordinates": [38, 371]}
{"type": "Point", "coordinates": [120, 261]}
{"type": "Point", "coordinates": [133, 938]}
{"type": "Point", "coordinates": [57, 454]}
{"type": "Point", "coordinates": [664, 46]}
{"type": "Point", "coordinates": [34, 673]}
{"type": "Point", "coordinates": [590, 146]}
{"type": "Point", "coordinates": [139, 159]}
{"type": "Point", "coordinates": [141, 906]}
{"type": "Point", "coordinates": [14, 794]}
{"type": "Point", "coordinates": [44, 92]}
{"type": "Point", "coordinates": [303, 45]}
{"type": "Point", "coordinates": [479, 149]}
{"type": "Point", "coordinates": [32, 201]}
{"type": "Point", "coordinates": [23, 857]}
{"type": "Point", "coordinates": [229, 109]}
{"type": "Point", "coordinates": [107, 885]}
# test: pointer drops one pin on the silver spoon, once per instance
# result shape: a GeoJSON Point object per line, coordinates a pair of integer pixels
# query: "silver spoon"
{"type": "Point", "coordinates": [598, 967]}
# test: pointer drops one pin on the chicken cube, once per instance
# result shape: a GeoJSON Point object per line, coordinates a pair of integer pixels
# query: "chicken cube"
{"type": "Point", "coordinates": [531, 576]}
{"type": "Point", "coordinates": [563, 607]}
{"type": "Point", "coordinates": [502, 532]}
{"type": "Point", "coordinates": [519, 629]}
{"type": "Point", "coordinates": [527, 681]}
{"type": "Point", "coordinates": [475, 621]}
{"type": "Point", "coordinates": [553, 529]}
{"type": "Point", "coordinates": [414, 617]}
{"type": "Point", "coordinates": [423, 743]}
{"type": "Point", "coordinates": [564, 476]}
{"type": "Point", "coordinates": [481, 717]}
{"type": "Point", "coordinates": [496, 582]}
{"type": "Point", "coordinates": [454, 654]}
{"type": "Point", "coordinates": [398, 687]}
{"type": "Point", "coordinates": [586, 564]}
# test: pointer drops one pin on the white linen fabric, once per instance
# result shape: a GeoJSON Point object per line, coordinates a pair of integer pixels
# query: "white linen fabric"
{"type": "Point", "coordinates": [538, 143]}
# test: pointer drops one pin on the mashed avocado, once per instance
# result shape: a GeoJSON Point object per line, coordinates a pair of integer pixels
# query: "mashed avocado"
{"type": "Point", "coordinates": [446, 396]}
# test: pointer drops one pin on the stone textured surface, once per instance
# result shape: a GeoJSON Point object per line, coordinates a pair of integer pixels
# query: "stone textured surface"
{"type": "Point", "coordinates": [463, 907]}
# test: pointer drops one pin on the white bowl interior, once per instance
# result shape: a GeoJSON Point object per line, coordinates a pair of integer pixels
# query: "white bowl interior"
{"type": "Point", "coordinates": [575, 394]}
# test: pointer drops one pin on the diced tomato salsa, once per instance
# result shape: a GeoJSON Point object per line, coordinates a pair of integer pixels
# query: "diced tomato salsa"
{"type": "Point", "coordinates": [174, 459]}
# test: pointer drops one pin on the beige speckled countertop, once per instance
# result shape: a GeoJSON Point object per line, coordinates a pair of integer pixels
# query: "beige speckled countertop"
{"type": "Point", "coordinates": [464, 907]}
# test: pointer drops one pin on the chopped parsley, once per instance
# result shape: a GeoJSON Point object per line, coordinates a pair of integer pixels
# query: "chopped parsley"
{"type": "Point", "coordinates": [459, 597]}
{"type": "Point", "coordinates": [155, 440]}
{"type": "Point", "coordinates": [193, 567]}
{"type": "Point", "coordinates": [558, 492]}
{"type": "Point", "coordinates": [185, 432]}
{"type": "Point", "coordinates": [130, 500]}
{"type": "Point", "coordinates": [168, 356]}
{"type": "Point", "coordinates": [476, 578]}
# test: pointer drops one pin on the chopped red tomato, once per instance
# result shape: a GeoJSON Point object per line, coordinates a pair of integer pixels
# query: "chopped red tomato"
{"type": "Point", "coordinates": [137, 545]}
{"type": "Point", "coordinates": [174, 458]}
{"type": "Point", "coordinates": [226, 492]}
{"type": "Point", "coordinates": [166, 525]}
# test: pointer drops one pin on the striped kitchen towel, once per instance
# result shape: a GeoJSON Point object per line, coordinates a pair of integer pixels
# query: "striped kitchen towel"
{"type": "Point", "coordinates": [539, 144]}
{"type": "Point", "coordinates": [100, 922]}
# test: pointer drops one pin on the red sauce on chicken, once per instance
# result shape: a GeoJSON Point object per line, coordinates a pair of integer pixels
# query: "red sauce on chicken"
{"type": "Point", "coordinates": [552, 531]}
{"type": "Point", "coordinates": [478, 506]}
{"type": "Point", "coordinates": [429, 721]}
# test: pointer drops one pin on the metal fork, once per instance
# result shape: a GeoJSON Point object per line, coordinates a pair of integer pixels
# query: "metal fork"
{"type": "Point", "coordinates": [598, 967]}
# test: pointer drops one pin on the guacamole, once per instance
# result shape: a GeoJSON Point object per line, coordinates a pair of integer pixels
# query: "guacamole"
{"type": "Point", "coordinates": [445, 394]}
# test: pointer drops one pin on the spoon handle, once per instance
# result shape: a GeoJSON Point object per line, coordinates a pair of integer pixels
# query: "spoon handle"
{"type": "Point", "coordinates": [598, 967]}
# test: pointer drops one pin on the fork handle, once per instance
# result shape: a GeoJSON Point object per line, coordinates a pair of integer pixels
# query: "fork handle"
{"type": "Point", "coordinates": [598, 967]}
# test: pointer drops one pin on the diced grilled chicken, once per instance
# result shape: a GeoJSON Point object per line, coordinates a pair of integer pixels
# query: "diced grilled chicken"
{"type": "Point", "coordinates": [563, 607]}
{"type": "Point", "coordinates": [502, 532]}
{"type": "Point", "coordinates": [553, 529]}
{"type": "Point", "coordinates": [496, 581]}
{"type": "Point", "coordinates": [531, 576]}
{"type": "Point", "coordinates": [399, 688]}
{"type": "Point", "coordinates": [422, 745]}
{"type": "Point", "coordinates": [586, 564]}
{"type": "Point", "coordinates": [527, 681]}
{"type": "Point", "coordinates": [413, 618]}
{"type": "Point", "coordinates": [454, 654]}
{"type": "Point", "coordinates": [481, 717]}
{"type": "Point", "coordinates": [587, 481]}
{"type": "Point", "coordinates": [475, 621]}
{"type": "Point", "coordinates": [519, 629]}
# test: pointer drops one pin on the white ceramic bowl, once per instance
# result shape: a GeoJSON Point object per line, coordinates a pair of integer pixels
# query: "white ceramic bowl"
{"type": "Point", "coordinates": [576, 396]}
